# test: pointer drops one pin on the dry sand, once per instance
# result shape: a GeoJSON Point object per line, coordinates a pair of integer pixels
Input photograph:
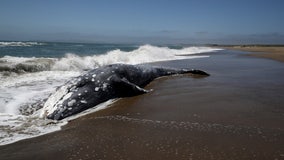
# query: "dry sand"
{"type": "Point", "coordinates": [236, 113]}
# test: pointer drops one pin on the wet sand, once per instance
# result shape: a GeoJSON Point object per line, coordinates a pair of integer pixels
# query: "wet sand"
{"type": "Point", "coordinates": [236, 113]}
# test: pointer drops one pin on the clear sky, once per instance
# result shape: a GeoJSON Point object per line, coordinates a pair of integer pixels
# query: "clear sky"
{"type": "Point", "coordinates": [144, 21]}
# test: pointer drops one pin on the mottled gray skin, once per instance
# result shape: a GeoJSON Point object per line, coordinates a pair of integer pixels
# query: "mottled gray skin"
{"type": "Point", "coordinates": [108, 82]}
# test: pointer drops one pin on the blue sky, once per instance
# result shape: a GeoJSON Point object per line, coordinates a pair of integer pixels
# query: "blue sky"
{"type": "Point", "coordinates": [144, 21]}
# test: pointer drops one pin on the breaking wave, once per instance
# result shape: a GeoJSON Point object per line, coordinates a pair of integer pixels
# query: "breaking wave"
{"type": "Point", "coordinates": [19, 44]}
{"type": "Point", "coordinates": [70, 61]}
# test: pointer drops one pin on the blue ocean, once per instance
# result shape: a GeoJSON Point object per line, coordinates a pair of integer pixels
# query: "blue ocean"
{"type": "Point", "coordinates": [57, 49]}
{"type": "Point", "coordinates": [31, 71]}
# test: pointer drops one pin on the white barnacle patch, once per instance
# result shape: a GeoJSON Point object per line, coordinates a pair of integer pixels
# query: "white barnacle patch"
{"type": "Point", "coordinates": [79, 94]}
{"type": "Point", "coordinates": [94, 75]}
{"type": "Point", "coordinates": [98, 81]}
{"type": "Point", "coordinates": [102, 72]}
{"type": "Point", "coordinates": [83, 101]}
{"type": "Point", "coordinates": [97, 89]}
{"type": "Point", "coordinates": [108, 79]}
{"type": "Point", "coordinates": [86, 91]}
{"type": "Point", "coordinates": [71, 103]}
{"type": "Point", "coordinates": [93, 79]}
{"type": "Point", "coordinates": [105, 86]}
{"type": "Point", "coordinates": [55, 101]}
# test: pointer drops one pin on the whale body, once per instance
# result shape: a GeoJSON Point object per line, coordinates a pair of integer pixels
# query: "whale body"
{"type": "Point", "coordinates": [102, 84]}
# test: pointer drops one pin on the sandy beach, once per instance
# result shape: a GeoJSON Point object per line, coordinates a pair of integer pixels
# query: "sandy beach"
{"type": "Point", "coordinates": [236, 113]}
{"type": "Point", "coordinates": [270, 52]}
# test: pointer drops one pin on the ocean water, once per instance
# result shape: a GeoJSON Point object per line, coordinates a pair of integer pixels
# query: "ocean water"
{"type": "Point", "coordinates": [31, 71]}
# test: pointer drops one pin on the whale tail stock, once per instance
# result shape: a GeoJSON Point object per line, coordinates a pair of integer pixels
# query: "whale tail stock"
{"type": "Point", "coordinates": [171, 71]}
{"type": "Point", "coordinates": [196, 72]}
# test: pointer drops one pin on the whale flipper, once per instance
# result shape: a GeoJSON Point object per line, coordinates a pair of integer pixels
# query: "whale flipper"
{"type": "Point", "coordinates": [127, 88]}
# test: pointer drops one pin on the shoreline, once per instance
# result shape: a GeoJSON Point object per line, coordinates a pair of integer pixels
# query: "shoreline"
{"type": "Point", "coordinates": [236, 113]}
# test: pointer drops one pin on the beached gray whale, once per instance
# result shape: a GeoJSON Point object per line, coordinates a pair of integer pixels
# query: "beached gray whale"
{"type": "Point", "coordinates": [102, 84]}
